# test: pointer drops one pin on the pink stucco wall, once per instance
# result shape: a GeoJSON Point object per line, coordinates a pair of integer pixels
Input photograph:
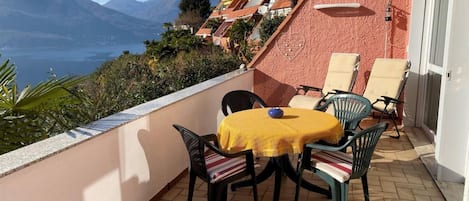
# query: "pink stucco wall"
{"type": "Point", "coordinates": [300, 50]}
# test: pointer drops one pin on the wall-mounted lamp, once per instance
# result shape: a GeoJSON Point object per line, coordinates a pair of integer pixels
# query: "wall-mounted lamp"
{"type": "Point", "coordinates": [337, 5]}
{"type": "Point", "coordinates": [388, 12]}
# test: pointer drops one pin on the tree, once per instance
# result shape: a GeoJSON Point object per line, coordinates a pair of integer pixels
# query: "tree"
{"type": "Point", "coordinates": [191, 18]}
{"type": "Point", "coordinates": [239, 32]}
{"type": "Point", "coordinates": [269, 26]}
{"type": "Point", "coordinates": [130, 80]}
{"type": "Point", "coordinates": [202, 7]}
{"type": "Point", "coordinates": [172, 42]}
{"type": "Point", "coordinates": [121, 83]}
{"type": "Point", "coordinates": [193, 12]}
{"type": "Point", "coordinates": [38, 112]}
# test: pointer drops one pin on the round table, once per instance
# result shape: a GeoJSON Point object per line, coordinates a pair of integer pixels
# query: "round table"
{"type": "Point", "coordinates": [255, 129]}
{"type": "Point", "coordinates": [276, 138]}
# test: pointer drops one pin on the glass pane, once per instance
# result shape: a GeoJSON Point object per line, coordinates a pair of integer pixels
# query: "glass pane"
{"type": "Point", "coordinates": [432, 98]}
{"type": "Point", "coordinates": [438, 32]}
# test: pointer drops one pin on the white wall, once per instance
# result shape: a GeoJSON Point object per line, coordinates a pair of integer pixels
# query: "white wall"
{"type": "Point", "coordinates": [412, 89]}
{"type": "Point", "coordinates": [466, 174]}
{"type": "Point", "coordinates": [129, 162]}
{"type": "Point", "coordinates": [453, 122]}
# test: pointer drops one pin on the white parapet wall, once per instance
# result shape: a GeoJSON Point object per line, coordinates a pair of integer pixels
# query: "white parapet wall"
{"type": "Point", "coordinates": [129, 156]}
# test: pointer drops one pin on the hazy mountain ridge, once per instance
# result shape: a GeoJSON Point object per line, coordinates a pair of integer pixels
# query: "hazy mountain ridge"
{"type": "Point", "coordinates": [26, 23]}
{"type": "Point", "coordinates": [154, 10]}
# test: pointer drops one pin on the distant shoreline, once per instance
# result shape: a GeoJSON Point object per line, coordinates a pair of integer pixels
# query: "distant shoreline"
{"type": "Point", "coordinates": [36, 64]}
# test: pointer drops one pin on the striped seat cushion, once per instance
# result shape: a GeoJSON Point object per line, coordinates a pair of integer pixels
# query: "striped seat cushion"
{"type": "Point", "coordinates": [337, 164]}
{"type": "Point", "coordinates": [220, 167]}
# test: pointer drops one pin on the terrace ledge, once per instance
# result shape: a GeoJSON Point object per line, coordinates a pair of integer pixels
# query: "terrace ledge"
{"type": "Point", "coordinates": [18, 159]}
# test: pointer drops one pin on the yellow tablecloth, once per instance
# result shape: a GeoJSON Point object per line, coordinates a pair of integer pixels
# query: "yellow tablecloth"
{"type": "Point", "coordinates": [266, 136]}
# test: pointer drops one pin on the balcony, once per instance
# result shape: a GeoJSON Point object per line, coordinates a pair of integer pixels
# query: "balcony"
{"type": "Point", "coordinates": [137, 155]}
{"type": "Point", "coordinates": [396, 173]}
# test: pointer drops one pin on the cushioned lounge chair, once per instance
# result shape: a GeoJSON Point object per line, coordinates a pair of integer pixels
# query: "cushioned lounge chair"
{"type": "Point", "coordinates": [385, 85]}
{"type": "Point", "coordinates": [341, 76]}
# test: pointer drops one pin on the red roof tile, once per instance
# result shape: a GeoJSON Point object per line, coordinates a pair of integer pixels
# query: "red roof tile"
{"type": "Point", "coordinates": [204, 31]}
{"type": "Point", "coordinates": [242, 13]}
{"type": "Point", "coordinates": [220, 32]}
{"type": "Point", "coordinates": [279, 4]}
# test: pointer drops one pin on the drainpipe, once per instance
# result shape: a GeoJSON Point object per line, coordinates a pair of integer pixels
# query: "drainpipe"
{"type": "Point", "coordinates": [387, 21]}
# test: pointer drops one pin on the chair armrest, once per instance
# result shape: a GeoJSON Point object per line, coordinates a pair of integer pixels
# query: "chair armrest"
{"type": "Point", "coordinates": [387, 100]}
{"type": "Point", "coordinates": [247, 153]}
{"type": "Point", "coordinates": [349, 133]}
{"type": "Point", "coordinates": [307, 88]}
{"type": "Point", "coordinates": [326, 147]}
{"type": "Point", "coordinates": [305, 161]}
{"type": "Point", "coordinates": [338, 91]}
{"type": "Point", "coordinates": [211, 138]}
{"type": "Point", "coordinates": [321, 107]}
{"type": "Point", "coordinates": [391, 100]}
{"type": "Point", "coordinates": [326, 96]}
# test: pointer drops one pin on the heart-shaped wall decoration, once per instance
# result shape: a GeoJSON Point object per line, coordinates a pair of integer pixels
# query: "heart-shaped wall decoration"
{"type": "Point", "coordinates": [290, 44]}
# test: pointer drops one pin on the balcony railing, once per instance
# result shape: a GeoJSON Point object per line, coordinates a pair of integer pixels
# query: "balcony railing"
{"type": "Point", "coordinates": [131, 155]}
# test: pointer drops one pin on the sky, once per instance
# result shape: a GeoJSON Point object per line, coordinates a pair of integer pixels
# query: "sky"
{"type": "Point", "coordinates": [105, 1]}
{"type": "Point", "coordinates": [100, 1]}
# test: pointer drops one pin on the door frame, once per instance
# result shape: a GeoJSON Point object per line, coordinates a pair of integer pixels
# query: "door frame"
{"type": "Point", "coordinates": [425, 66]}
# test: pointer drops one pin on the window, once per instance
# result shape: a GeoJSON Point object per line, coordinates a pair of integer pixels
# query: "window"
{"type": "Point", "coordinates": [438, 32]}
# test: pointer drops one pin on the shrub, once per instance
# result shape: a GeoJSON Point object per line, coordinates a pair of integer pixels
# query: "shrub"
{"type": "Point", "coordinates": [129, 80]}
{"type": "Point", "coordinates": [269, 26]}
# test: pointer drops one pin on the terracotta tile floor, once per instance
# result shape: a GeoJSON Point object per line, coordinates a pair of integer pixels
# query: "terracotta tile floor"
{"type": "Point", "coordinates": [396, 173]}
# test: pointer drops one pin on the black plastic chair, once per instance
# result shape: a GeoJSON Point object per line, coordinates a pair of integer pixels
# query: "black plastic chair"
{"type": "Point", "coordinates": [337, 168]}
{"type": "Point", "coordinates": [215, 167]}
{"type": "Point", "coordinates": [239, 100]}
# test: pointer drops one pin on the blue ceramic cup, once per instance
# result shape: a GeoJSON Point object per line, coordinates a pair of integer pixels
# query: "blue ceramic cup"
{"type": "Point", "coordinates": [275, 112]}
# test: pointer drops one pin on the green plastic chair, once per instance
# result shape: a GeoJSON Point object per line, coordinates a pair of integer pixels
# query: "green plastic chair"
{"type": "Point", "coordinates": [337, 168]}
{"type": "Point", "coordinates": [217, 168]}
{"type": "Point", "coordinates": [349, 109]}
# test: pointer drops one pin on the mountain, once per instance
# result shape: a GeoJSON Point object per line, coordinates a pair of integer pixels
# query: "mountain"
{"type": "Point", "coordinates": [29, 23]}
{"type": "Point", "coordinates": [154, 10]}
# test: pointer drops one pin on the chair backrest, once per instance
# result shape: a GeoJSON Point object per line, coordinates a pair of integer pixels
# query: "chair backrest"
{"type": "Point", "coordinates": [350, 109]}
{"type": "Point", "coordinates": [196, 149]}
{"type": "Point", "coordinates": [363, 145]}
{"type": "Point", "coordinates": [387, 78]}
{"type": "Point", "coordinates": [240, 100]}
{"type": "Point", "coordinates": [342, 72]}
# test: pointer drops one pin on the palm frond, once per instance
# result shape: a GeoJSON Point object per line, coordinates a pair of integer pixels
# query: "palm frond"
{"type": "Point", "coordinates": [7, 73]}
{"type": "Point", "coordinates": [7, 97]}
{"type": "Point", "coordinates": [46, 93]}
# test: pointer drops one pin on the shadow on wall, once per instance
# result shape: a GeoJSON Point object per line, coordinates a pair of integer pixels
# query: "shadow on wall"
{"type": "Point", "coordinates": [400, 18]}
{"type": "Point", "coordinates": [131, 185]}
{"type": "Point", "coordinates": [267, 88]}
{"type": "Point", "coordinates": [348, 12]}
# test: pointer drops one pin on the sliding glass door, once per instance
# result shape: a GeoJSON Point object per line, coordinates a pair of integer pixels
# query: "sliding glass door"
{"type": "Point", "coordinates": [433, 61]}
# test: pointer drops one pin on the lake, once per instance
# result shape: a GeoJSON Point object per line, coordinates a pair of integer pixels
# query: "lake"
{"type": "Point", "coordinates": [34, 65]}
